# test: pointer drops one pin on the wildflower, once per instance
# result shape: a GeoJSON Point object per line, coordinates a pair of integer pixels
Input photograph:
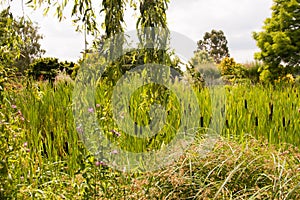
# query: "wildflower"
{"type": "Point", "coordinates": [98, 163]}
{"type": "Point", "coordinates": [91, 110]}
{"type": "Point", "coordinates": [114, 152]}
{"type": "Point", "coordinates": [13, 106]}
{"type": "Point", "coordinates": [25, 144]}
{"type": "Point", "coordinates": [79, 129]}
{"type": "Point", "coordinates": [21, 115]}
{"type": "Point", "coordinates": [116, 133]}
{"type": "Point", "coordinates": [98, 105]}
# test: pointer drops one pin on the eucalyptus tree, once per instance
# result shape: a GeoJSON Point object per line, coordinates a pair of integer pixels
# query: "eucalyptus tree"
{"type": "Point", "coordinates": [215, 43]}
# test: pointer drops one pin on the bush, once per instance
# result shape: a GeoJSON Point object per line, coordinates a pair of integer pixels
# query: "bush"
{"type": "Point", "coordinates": [232, 70]}
{"type": "Point", "coordinates": [49, 68]}
{"type": "Point", "coordinates": [252, 71]}
{"type": "Point", "coordinates": [201, 69]}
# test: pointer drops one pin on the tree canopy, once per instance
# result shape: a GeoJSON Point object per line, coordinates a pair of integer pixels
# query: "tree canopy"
{"type": "Point", "coordinates": [19, 41]}
{"type": "Point", "coordinates": [279, 41]}
{"type": "Point", "coordinates": [215, 43]}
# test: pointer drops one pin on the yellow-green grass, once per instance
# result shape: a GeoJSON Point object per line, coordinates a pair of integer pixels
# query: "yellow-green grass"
{"type": "Point", "coordinates": [43, 156]}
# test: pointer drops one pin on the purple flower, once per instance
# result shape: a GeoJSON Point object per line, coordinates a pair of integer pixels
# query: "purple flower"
{"type": "Point", "coordinates": [98, 163]}
{"type": "Point", "coordinates": [13, 106]}
{"type": "Point", "coordinates": [114, 152]}
{"type": "Point", "coordinates": [91, 110]}
{"type": "Point", "coordinates": [116, 133]}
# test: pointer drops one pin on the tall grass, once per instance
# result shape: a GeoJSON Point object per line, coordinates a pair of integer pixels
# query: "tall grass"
{"type": "Point", "coordinates": [46, 157]}
{"type": "Point", "coordinates": [268, 113]}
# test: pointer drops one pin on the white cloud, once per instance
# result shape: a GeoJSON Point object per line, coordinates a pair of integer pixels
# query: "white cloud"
{"type": "Point", "coordinates": [237, 18]}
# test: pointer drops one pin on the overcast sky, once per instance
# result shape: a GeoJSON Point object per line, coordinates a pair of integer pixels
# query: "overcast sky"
{"type": "Point", "coordinates": [237, 18]}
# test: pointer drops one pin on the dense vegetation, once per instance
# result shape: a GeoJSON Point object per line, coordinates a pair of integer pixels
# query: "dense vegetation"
{"type": "Point", "coordinates": [43, 157]}
{"type": "Point", "coordinates": [254, 153]}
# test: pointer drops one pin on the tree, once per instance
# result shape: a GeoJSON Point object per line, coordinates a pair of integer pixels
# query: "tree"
{"type": "Point", "coordinates": [19, 41]}
{"type": "Point", "coordinates": [215, 43]}
{"type": "Point", "coordinates": [30, 49]}
{"type": "Point", "coordinates": [9, 49]}
{"type": "Point", "coordinates": [202, 69]}
{"type": "Point", "coordinates": [279, 41]}
{"type": "Point", "coordinates": [201, 57]}
{"type": "Point", "coordinates": [9, 39]}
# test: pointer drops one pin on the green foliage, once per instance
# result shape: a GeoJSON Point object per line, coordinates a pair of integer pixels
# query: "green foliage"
{"type": "Point", "coordinates": [201, 57]}
{"type": "Point", "coordinates": [31, 48]}
{"type": "Point", "coordinates": [266, 76]}
{"type": "Point", "coordinates": [19, 41]}
{"type": "Point", "coordinates": [9, 39]}
{"type": "Point", "coordinates": [279, 40]}
{"type": "Point", "coordinates": [252, 71]}
{"type": "Point", "coordinates": [201, 68]}
{"type": "Point", "coordinates": [230, 70]}
{"type": "Point", "coordinates": [48, 69]}
{"type": "Point", "coordinates": [13, 151]}
{"type": "Point", "coordinates": [9, 48]}
{"type": "Point", "coordinates": [215, 43]}
{"type": "Point", "coordinates": [48, 167]}
{"type": "Point", "coordinates": [83, 12]}
{"type": "Point", "coordinates": [297, 80]}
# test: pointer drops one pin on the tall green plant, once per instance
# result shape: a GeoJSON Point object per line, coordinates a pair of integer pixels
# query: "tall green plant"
{"type": "Point", "coordinates": [279, 39]}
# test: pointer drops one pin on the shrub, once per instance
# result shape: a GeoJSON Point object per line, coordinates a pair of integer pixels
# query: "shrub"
{"type": "Point", "coordinates": [230, 70]}
{"type": "Point", "coordinates": [201, 68]}
{"type": "Point", "coordinates": [252, 71]}
{"type": "Point", "coordinates": [49, 68]}
{"type": "Point", "coordinates": [265, 76]}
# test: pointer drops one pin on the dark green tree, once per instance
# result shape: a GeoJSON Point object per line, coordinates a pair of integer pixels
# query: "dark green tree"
{"type": "Point", "coordinates": [279, 41]}
{"type": "Point", "coordinates": [215, 43]}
